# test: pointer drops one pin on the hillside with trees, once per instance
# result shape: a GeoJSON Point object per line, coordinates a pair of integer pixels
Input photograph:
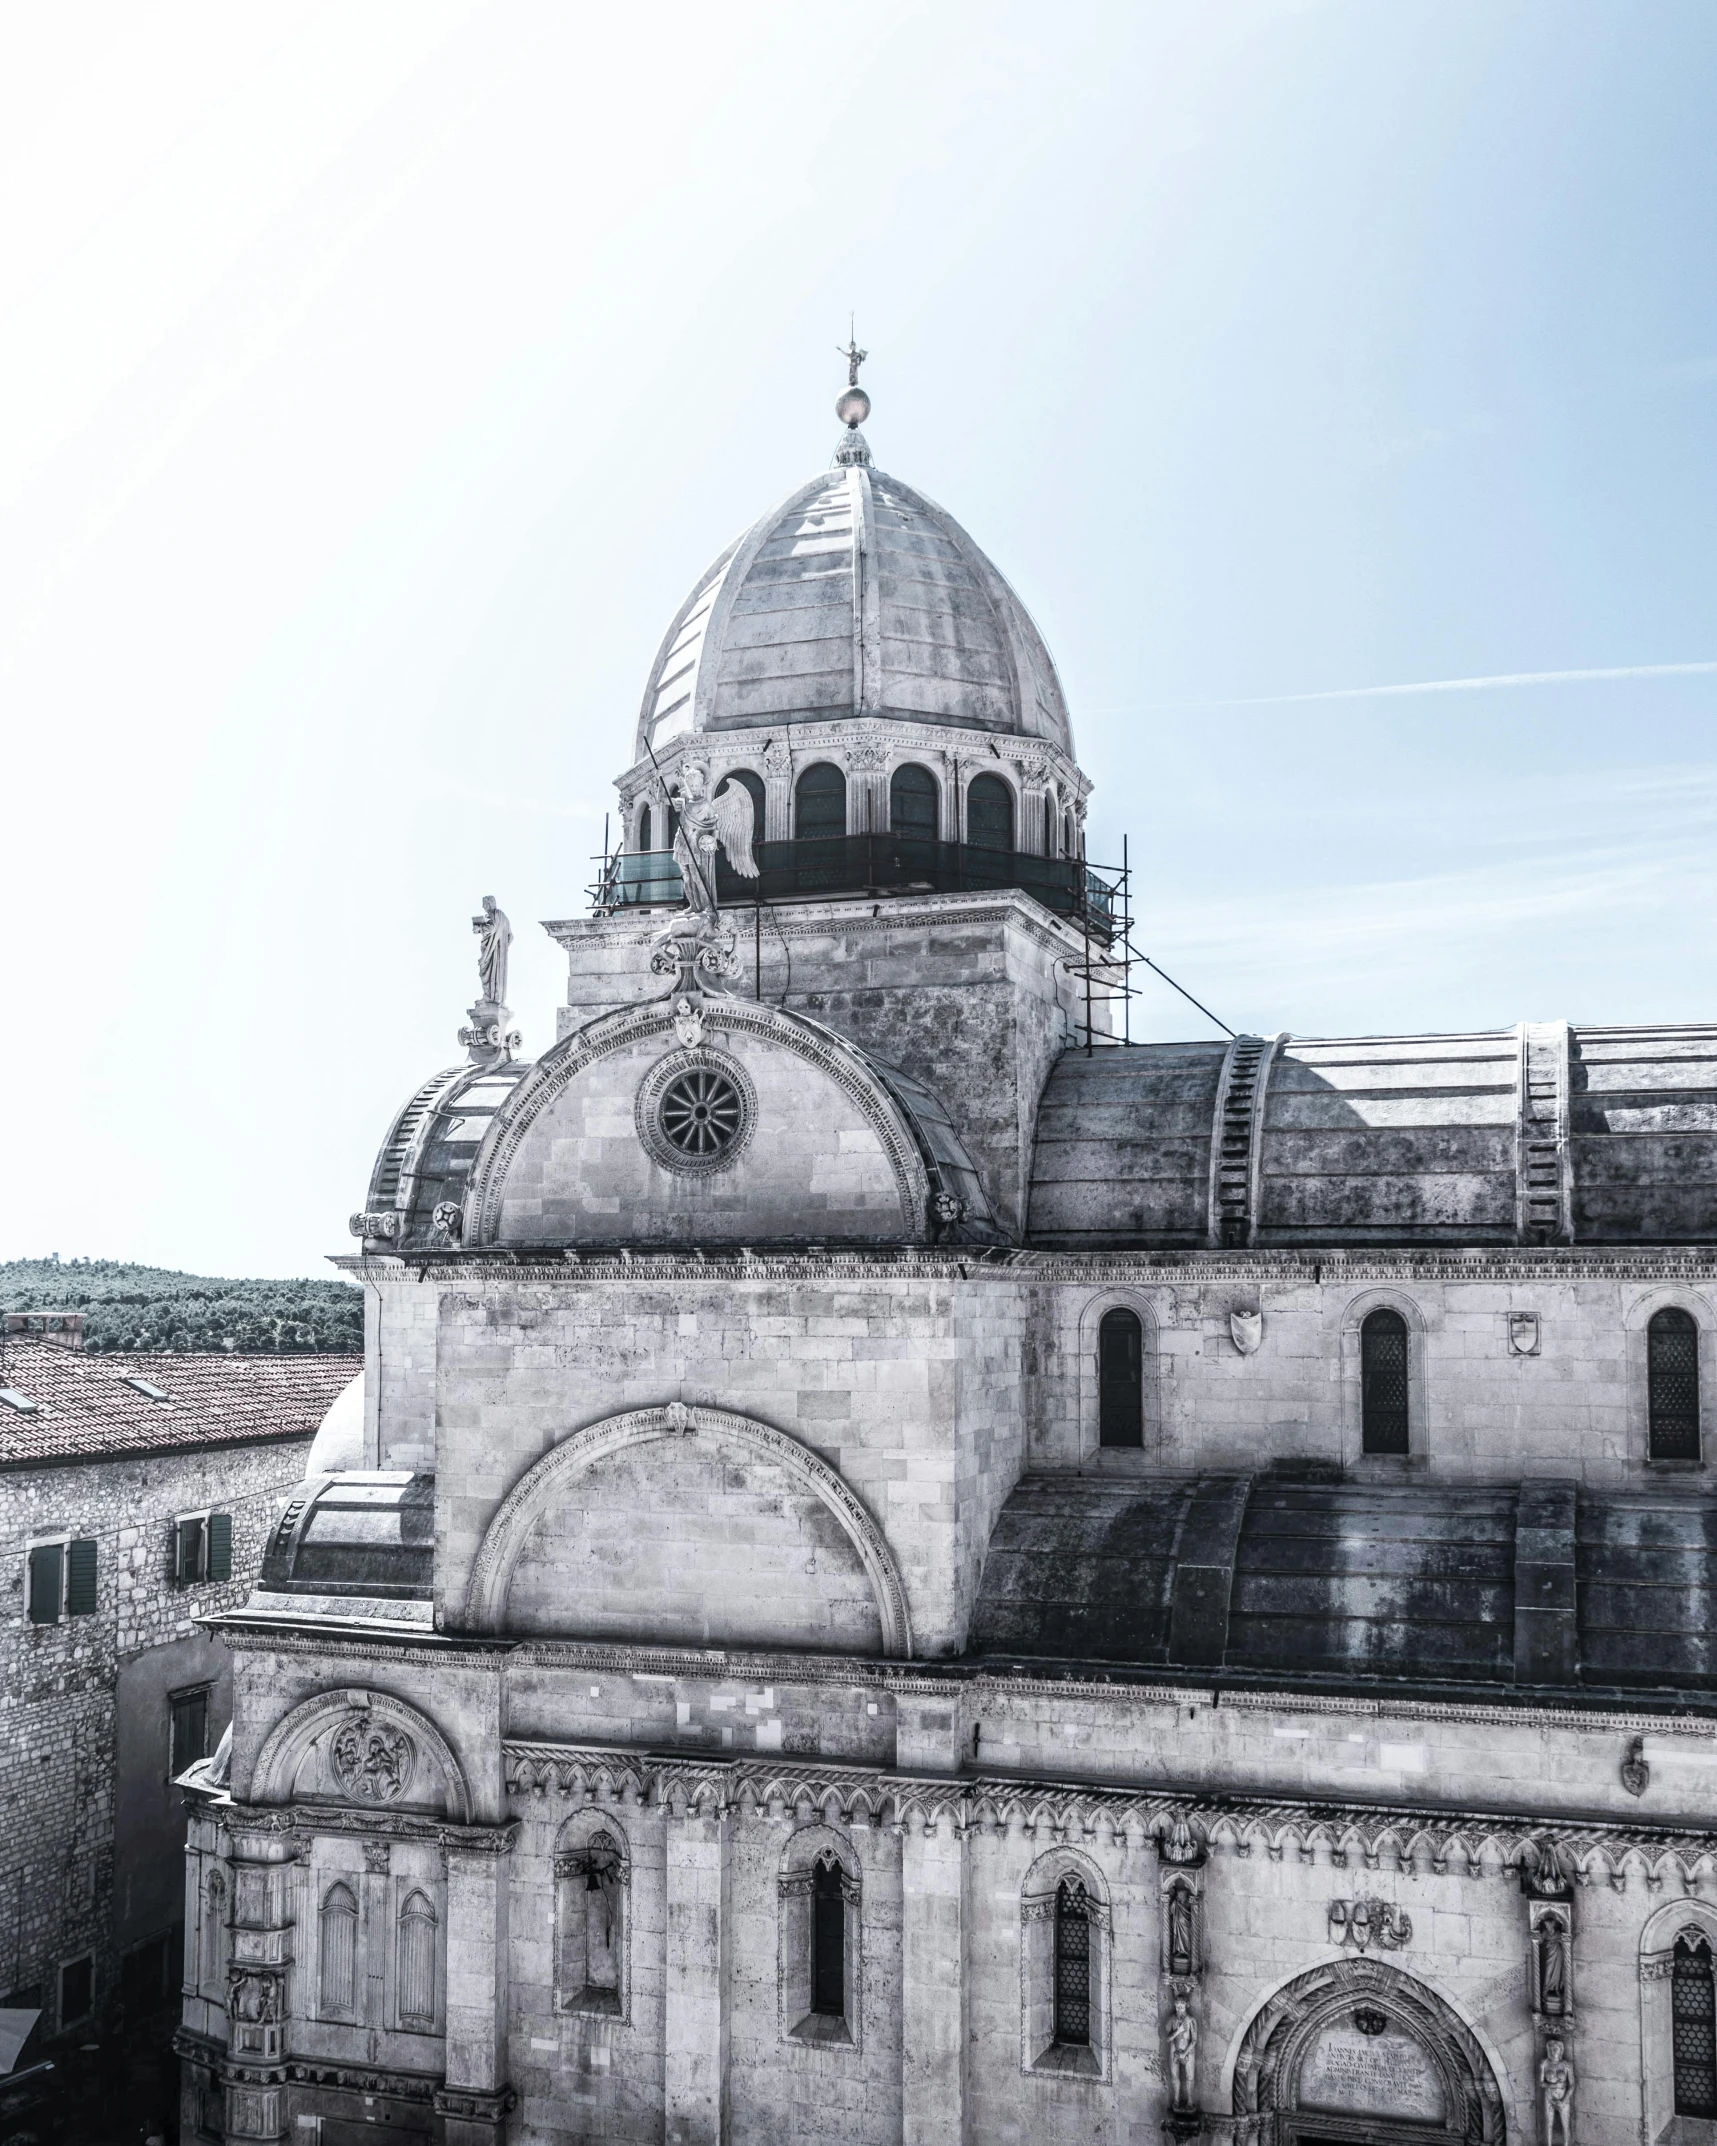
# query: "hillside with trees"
{"type": "Point", "coordinates": [128, 1307]}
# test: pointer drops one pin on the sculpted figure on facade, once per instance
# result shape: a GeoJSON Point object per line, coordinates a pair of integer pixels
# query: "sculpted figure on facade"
{"type": "Point", "coordinates": [372, 1762]}
{"type": "Point", "coordinates": [703, 827]}
{"type": "Point", "coordinates": [1183, 2053]}
{"type": "Point", "coordinates": [1557, 2082]}
{"type": "Point", "coordinates": [495, 936]}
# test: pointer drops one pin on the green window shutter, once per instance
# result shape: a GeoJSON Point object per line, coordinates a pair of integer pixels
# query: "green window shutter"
{"type": "Point", "coordinates": [80, 1579]}
{"type": "Point", "coordinates": [220, 1546]}
{"type": "Point", "coordinates": [45, 1584]}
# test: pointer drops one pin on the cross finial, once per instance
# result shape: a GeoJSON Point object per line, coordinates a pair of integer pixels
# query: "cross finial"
{"type": "Point", "coordinates": [854, 356]}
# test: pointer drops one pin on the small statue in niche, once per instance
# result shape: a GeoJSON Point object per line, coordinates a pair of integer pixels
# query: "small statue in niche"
{"type": "Point", "coordinates": [496, 935]}
{"type": "Point", "coordinates": [1557, 2082]}
{"type": "Point", "coordinates": [1183, 2053]}
{"type": "Point", "coordinates": [1552, 1967]}
{"type": "Point", "coordinates": [1180, 1930]}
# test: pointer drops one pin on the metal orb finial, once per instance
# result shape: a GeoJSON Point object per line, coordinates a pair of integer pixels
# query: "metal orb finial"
{"type": "Point", "coordinates": [854, 406]}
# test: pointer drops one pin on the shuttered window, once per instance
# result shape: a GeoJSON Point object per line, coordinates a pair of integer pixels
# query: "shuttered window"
{"type": "Point", "coordinates": [416, 1962]}
{"type": "Point", "coordinates": [47, 1582]}
{"type": "Point", "coordinates": [220, 1546]}
{"type": "Point", "coordinates": [1383, 1382]}
{"type": "Point", "coordinates": [1120, 1379]}
{"type": "Point", "coordinates": [1672, 1384]}
{"type": "Point", "coordinates": [188, 1729]}
{"type": "Point", "coordinates": [1695, 2023]}
{"type": "Point", "coordinates": [80, 1579]}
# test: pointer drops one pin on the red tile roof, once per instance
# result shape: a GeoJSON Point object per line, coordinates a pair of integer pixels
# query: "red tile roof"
{"type": "Point", "coordinates": [86, 1411]}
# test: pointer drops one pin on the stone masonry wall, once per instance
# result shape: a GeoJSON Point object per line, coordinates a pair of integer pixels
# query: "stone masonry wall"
{"type": "Point", "coordinates": [57, 1681]}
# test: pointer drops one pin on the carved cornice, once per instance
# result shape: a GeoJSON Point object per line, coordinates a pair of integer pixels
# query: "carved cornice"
{"type": "Point", "coordinates": [306, 1820]}
{"type": "Point", "coordinates": [1095, 1269]}
{"type": "Point", "coordinates": [1377, 1835]}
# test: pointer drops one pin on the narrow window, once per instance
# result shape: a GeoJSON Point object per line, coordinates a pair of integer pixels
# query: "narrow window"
{"type": "Point", "coordinates": [1695, 2028]}
{"type": "Point", "coordinates": [644, 829]}
{"type": "Point", "coordinates": [989, 814]}
{"type": "Point", "coordinates": [742, 778]}
{"type": "Point", "coordinates": [592, 1906]}
{"type": "Point", "coordinates": [820, 804]}
{"type": "Point", "coordinates": [190, 1551]}
{"type": "Point", "coordinates": [914, 804]}
{"type": "Point", "coordinates": [1672, 1385]}
{"type": "Point", "coordinates": [416, 1962]}
{"type": "Point", "coordinates": [1383, 1383]}
{"type": "Point", "coordinates": [47, 1582]}
{"type": "Point", "coordinates": [339, 1949]}
{"type": "Point", "coordinates": [828, 1941]}
{"type": "Point", "coordinates": [1120, 1379]}
{"type": "Point", "coordinates": [187, 1729]}
{"type": "Point", "coordinates": [80, 1579]}
{"type": "Point", "coordinates": [77, 1990]}
{"type": "Point", "coordinates": [1072, 1964]}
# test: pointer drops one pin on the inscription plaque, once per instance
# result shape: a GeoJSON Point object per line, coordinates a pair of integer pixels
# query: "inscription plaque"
{"type": "Point", "coordinates": [1385, 2074]}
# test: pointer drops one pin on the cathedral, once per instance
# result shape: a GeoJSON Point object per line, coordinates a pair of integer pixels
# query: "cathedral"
{"type": "Point", "coordinates": [915, 1573]}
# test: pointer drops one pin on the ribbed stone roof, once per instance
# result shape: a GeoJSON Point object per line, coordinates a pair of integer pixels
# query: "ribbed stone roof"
{"type": "Point", "coordinates": [855, 596]}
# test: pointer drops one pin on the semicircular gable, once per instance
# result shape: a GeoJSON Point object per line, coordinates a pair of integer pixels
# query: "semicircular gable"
{"type": "Point", "coordinates": [825, 1150]}
{"type": "Point", "coordinates": [364, 1748]}
{"type": "Point", "coordinates": [689, 1526]}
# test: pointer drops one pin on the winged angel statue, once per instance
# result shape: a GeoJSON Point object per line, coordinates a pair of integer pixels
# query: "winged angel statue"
{"type": "Point", "coordinates": [704, 824]}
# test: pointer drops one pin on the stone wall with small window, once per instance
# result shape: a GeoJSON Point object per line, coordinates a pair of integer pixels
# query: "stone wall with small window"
{"type": "Point", "coordinates": [99, 1586]}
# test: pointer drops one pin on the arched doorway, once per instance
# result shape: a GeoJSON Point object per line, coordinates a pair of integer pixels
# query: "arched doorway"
{"type": "Point", "coordinates": [1358, 2054]}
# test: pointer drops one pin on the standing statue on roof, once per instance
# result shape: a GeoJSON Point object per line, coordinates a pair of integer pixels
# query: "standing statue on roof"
{"type": "Point", "coordinates": [703, 825]}
{"type": "Point", "coordinates": [496, 935]}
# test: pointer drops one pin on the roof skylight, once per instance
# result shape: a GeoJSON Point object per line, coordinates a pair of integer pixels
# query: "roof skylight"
{"type": "Point", "coordinates": [142, 1386]}
{"type": "Point", "coordinates": [20, 1401]}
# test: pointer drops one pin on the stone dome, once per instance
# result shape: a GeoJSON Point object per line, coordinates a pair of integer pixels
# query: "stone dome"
{"type": "Point", "coordinates": [856, 596]}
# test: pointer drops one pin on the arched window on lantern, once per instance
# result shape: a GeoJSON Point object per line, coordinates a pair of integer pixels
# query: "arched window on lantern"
{"type": "Point", "coordinates": [337, 1953]}
{"type": "Point", "coordinates": [1693, 2015]}
{"type": "Point", "coordinates": [914, 804]}
{"type": "Point", "coordinates": [592, 1889]}
{"type": "Point", "coordinates": [415, 1963]}
{"type": "Point", "coordinates": [1120, 1378]}
{"type": "Point", "coordinates": [1672, 1384]}
{"type": "Point", "coordinates": [1383, 1384]}
{"type": "Point", "coordinates": [820, 803]}
{"type": "Point", "coordinates": [644, 826]}
{"type": "Point", "coordinates": [989, 814]}
{"type": "Point", "coordinates": [1072, 1965]}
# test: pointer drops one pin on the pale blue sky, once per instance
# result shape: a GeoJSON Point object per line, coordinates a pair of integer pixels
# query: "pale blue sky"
{"type": "Point", "coordinates": [374, 380]}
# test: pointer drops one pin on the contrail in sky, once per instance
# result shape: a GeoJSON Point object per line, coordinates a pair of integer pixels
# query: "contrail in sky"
{"type": "Point", "coordinates": [1453, 685]}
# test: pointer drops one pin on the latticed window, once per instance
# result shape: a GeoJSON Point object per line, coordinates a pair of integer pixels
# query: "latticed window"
{"type": "Point", "coordinates": [1695, 2029]}
{"type": "Point", "coordinates": [1072, 1963]}
{"type": "Point", "coordinates": [989, 814]}
{"type": "Point", "coordinates": [1120, 1379]}
{"type": "Point", "coordinates": [1383, 1383]}
{"type": "Point", "coordinates": [1672, 1384]}
{"type": "Point", "coordinates": [828, 1941]}
{"type": "Point", "coordinates": [820, 803]}
{"type": "Point", "coordinates": [339, 1949]}
{"type": "Point", "coordinates": [914, 808]}
{"type": "Point", "coordinates": [416, 1962]}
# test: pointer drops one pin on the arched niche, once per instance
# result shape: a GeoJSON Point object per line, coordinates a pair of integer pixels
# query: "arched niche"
{"type": "Point", "coordinates": [363, 1748]}
{"type": "Point", "coordinates": [693, 1526]}
{"type": "Point", "coordinates": [1362, 2042]}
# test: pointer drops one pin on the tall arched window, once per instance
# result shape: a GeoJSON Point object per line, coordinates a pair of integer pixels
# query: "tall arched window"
{"type": "Point", "coordinates": [644, 828]}
{"type": "Point", "coordinates": [914, 804]}
{"type": "Point", "coordinates": [828, 1940]}
{"type": "Point", "coordinates": [338, 1948]}
{"type": "Point", "coordinates": [1383, 1382]}
{"type": "Point", "coordinates": [591, 1926]}
{"type": "Point", "coordinates": [1072, 1964]}
{"type": "Point", "coordinates": [989, 814]}
{"type": "Point", "coordinates": [820, 803]}
{"type": "Point", "coordinates": [1695, 2027]}
{"type": "Point", "coordinates": [742, 778]}
{"type": "Point", "coordinates": [1672, 1384]}
{"type": "Point", "coordinates": [1120, 1379]}
{"type": "Point", "coordinates": [416, 1962]}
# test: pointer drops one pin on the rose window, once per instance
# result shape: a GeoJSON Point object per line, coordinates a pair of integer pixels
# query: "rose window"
{"type": "Point", "coordinates": [701, 1114]}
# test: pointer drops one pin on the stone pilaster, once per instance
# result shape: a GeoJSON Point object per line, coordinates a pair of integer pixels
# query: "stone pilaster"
{"type": "Point", "coordinates": [475, 2098]}
{"type": "Point", "coordinates": [933, 1982]}
{"type": "Point", "coordinates": [695, 2016]}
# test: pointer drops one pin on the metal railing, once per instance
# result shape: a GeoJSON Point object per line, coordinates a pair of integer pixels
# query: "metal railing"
{"type": "Point", "coordinates": [872, 864]}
